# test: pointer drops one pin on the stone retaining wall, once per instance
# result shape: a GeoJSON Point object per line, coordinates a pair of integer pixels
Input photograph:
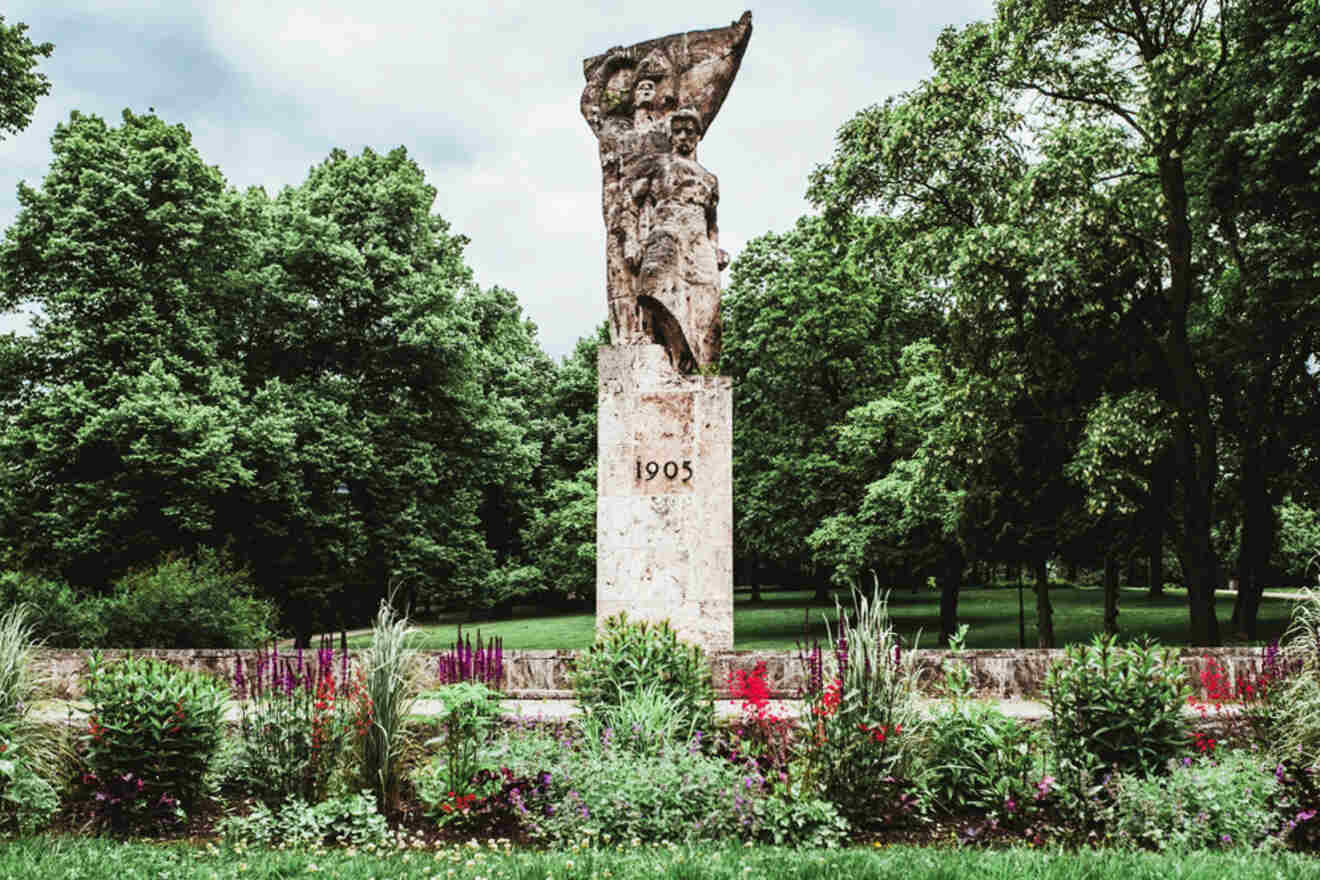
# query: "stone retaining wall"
{"type": "Point", "coordinates": [1003, 674]}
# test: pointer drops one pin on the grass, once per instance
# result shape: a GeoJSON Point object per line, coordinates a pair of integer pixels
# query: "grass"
{"type": "Point", "coordinates": [39, 858]}
{"type": "Point", "coordinates": [776, 622]}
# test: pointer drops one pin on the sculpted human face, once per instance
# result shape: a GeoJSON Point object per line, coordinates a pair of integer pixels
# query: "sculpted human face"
{"type": "Point", "coordinates": [683, 135]}
{"type": "Point", "coordinates": [644, 94]}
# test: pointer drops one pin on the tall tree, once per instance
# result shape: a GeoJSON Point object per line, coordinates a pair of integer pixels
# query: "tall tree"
{"type": "Point", "coordinates": [814, 326]}
{"type": "Point", "coordinates": [995, 234]}
{"type": "Point", "coordinates": [1152, 70]}
{"type": "Point", "coordinates": [313, 379]}
{"type": "Point", "coordinates": [561, 534]}
{"type": "Point", "coordinates": [20, 82]}
{"type": "Point", "coordinates": [122, 424]}
{"type": "Point", "coordinates": [1262, 148]}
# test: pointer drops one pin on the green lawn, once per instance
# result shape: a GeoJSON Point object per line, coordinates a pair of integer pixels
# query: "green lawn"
{"type": "Point", "coordinates": [777, 621]}
{"type": "Point", "coordinates": [87, 858]}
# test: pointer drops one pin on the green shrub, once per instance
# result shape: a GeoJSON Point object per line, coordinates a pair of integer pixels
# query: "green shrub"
{"type": "Point", "coordinates": [793, 817]}
{"type": "Point", "coordinates": [569, 791]}
{"type": "Point", "coordinates": [31, 753]}
{"type": "Point", "coordinates": [1298, 700]}
{"type": "Point", "coordinates": [66, 619]}
{"type": "Point", "coordinates": [649, 721]}
{"type": "Point", "coordinates": [976, 757]}
{"type": "Point", "coordinates": [862, 721]}
{"type": "Point", "coordinates": [183, 603]}
{"type": "Point", "coordinates": [391, 684]}
{"type": "Point", "coordinates": [471, 712]}
{"type": "Point", "coordinates": [971, 754]}
{"type": "Point", "coordinates": [628, 656]}
{"type": "Point", "coordinates": [28, 800]}
{"type": "Point", "coordinates": [680, 795]}
{"type": "Point", "coordinates": [302, 725]}
{"type": "Point", "coordinates": [351, 820]}
{"type": "Point", "coordinates": [1198, 804]}
{"type": "Point", "coordinates": [152, 732]}
{"type": "Point", "coordinates": [1115, 708]}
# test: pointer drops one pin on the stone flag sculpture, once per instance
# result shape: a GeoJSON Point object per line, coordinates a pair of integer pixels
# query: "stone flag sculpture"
{"type": "Point", "coordinates": [664, 476]}
{"type": "Point", "coordinates": [649, 106]}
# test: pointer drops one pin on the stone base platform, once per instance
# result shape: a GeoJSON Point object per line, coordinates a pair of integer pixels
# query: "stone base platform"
{"type": "Point", "coordinates": [664, 505]}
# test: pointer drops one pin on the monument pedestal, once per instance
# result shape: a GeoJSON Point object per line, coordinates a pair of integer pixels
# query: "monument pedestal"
{"type": "Point", "coordinates": [664, 495]}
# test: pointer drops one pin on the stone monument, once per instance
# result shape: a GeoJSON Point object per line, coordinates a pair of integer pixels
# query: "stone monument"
{"type": "Point", "coordinates": [664, 506]}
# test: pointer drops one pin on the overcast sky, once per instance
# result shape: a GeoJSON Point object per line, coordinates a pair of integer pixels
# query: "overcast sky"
{"type": "Point", "coordinates": [485, 98]}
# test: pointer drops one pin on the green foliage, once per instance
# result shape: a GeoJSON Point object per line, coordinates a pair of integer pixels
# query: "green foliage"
{"type": "Point", "coordinates": [972, 756]}
{"type": "Point", "coordinates": [794, 817]}
{"type": "Point", "coordinates": [20, 84]}
{"type": "Point", "coordinates": [17, 650]}
{"type": "Point", "coordinates": [648, 721]}
{"type": "Point", "coordinates": [1297, 721]}
{"type": "Point", "coordinates": [152, 732]}
{"type": "Point", "coordinates": [312, 381]}
{"type": "Point", "coordinates": [1219, 803]}
{"type": "Point", "coordinates": [67, 620]}
{"type": "Point", "coordinates": [628, 657]}
{"type": "Point", "coordinates": [471, 711]}
{"type": "Point", "coordinates": [861, 724]}
{"type": "Point", "coordinates": [350, 820]}
{"type": "Point", "coordinates": [302, 727]}
{"type": "Point", "coordinates": [1115, 708]}
{"type": "Point", "coordinates": [562, 535]}
{"type": "Point", "coordinates": [73, 856]}
{"type": "Point", "coordinates": [678, 795]}
{"type": "Point", "coordinates": [631, 782]}
{"type": "Point", "coordinates": [187, 603]}
{"type": "Point", "coordinates": [28, 800]}
{"type": "Point", "coordinates": [391, 684]}
{"type": "Point", "coordinates": [31, 753]}
{"type": "Point", "coordinates": [1299, 538]}
{"type": "Point", "coordinates": [792, 297]}
{"type": "Point", "coordinates": [560, 538]}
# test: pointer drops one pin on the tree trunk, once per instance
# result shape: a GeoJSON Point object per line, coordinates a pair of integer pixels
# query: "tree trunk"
{"type": "Point", "coordinates": [822, 587]}
{"type": "Point", "coordinates": [755, 571]}
{"type": "Point", "coordinates": [1111, 594]}
{"type": "Point", "coordinates": [950, 581]}
{"type": "Point", "coordinates": [1195, 441]}
{"type": "Point", "coordinates": [1154, 517]}
{"type": "Point", "coordinates": [1044, 611]}
{"type": "Point", "coordinates": [1258, 534]}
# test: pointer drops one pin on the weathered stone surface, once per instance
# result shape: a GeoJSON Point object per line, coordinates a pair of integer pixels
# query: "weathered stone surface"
{"type": "Point", "coordinates": [664, 499]}
{"type": "Point", "coordinates": [1002, 674]}
{"type": "Point", "coordinates": [649, 105]}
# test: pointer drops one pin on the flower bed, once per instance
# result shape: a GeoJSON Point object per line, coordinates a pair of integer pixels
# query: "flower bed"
{"type": "Point", "coordinates": [323, 752]}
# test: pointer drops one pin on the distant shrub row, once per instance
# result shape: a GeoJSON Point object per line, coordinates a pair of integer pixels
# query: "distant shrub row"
{"type": "Point", "coordinates": [179, 603]}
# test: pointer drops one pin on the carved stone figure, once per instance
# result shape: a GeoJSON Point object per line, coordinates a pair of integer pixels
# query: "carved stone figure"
{"type": "Point", "coordinates": [649, 105]}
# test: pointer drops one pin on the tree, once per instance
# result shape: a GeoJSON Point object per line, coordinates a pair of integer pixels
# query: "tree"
{"type": "Point", "coordinates": [312, 380]}
{"type": "Point", "coordinates": [901, 452]}
{"type": "Point", "coordinates": [122, 427]}
{"type": "Point", "coordinates": [814, 327]}
{"type": "Point", "coordinates": [994, 235]}
{"type": "Point", "coordinates": [369, 285]}
{"type": "Point", "coordinates": [561, 534]}
{"type": "Point", "coordinates": [1117, 97]}
{"type": "Point", "coordinates": [1264, 314]}
{"type": "Point", "coordinates": [20, 83]}
{"type": "Point", "coordinates": [514, 375]}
